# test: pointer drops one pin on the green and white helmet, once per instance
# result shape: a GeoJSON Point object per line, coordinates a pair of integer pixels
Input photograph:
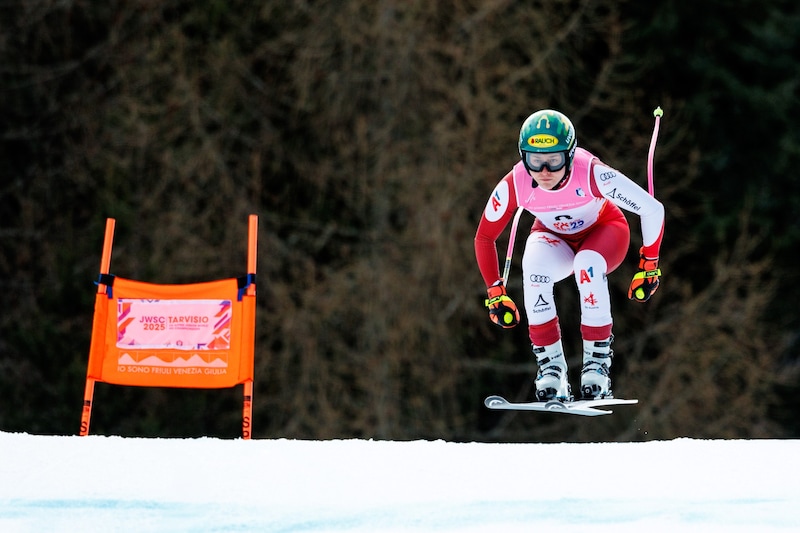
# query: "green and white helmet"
{"type": "Point", "coordinates": [545, 132]}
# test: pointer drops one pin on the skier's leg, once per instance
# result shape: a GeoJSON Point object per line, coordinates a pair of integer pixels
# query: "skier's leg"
{"type": "Point", "coordinates": [602, 252]}
{"type": "Point", "coordinates": [546, 260]}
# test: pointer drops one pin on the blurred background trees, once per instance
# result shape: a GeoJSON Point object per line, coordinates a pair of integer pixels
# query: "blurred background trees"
{"type": "Point", "coordinates": [367, 136]}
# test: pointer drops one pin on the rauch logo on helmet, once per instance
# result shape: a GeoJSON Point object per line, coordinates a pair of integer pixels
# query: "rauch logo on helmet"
{"type": "Point", "coordinates": [542, 140]}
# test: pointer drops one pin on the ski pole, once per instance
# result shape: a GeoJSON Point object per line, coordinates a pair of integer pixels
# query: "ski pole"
{"type": "Point", "coordinates": [511, 238]}
{"type": "Point", "coordinates": [658, 113]}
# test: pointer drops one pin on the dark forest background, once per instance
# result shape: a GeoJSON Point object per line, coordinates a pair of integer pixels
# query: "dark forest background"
{"type": "Point", "coordinates": [367, 136]}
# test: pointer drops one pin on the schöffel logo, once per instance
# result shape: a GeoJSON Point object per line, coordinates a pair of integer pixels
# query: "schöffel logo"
{"type": "Point", "coordinates": [542, 140]}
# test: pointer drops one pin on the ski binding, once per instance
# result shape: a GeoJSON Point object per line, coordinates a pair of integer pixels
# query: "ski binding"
{"type": "Point", "coordinates": [576, 407]}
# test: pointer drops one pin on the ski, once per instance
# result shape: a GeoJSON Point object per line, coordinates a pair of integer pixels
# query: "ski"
{"type": "Point", "coordinates": [577, 407]}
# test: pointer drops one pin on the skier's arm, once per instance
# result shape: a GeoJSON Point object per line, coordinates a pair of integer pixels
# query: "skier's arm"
{"type": "Point", "coordinates": [495, 217]}
{"type": "Point", "coordinates": [623, 192]}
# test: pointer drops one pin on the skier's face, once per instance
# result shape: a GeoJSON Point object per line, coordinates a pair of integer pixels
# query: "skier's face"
{"type": "Point", "coordinates": [547, 169]}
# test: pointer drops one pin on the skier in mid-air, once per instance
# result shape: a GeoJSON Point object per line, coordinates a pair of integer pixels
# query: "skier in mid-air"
{"type": "Point", "coordinates": [579, 229]}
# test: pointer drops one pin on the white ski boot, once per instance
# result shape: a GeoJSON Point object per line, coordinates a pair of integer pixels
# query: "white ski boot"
{"type": "Point", "coordinates": [551, 380]}
{"type": "Point", "coordinates": [595, 378]}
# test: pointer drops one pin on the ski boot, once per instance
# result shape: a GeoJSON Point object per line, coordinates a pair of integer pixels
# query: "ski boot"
{"type": "Point", "coordinates": [595, 378]}
{"type": "Point", "coordinates": [551, 380]}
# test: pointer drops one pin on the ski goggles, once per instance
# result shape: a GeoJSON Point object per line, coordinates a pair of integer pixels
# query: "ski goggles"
{"type": "Point", "coordinates": [536, 162]}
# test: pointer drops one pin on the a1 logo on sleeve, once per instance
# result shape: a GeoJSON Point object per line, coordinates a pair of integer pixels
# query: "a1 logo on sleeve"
{"type": "Point", "coordinates": [498, 202]}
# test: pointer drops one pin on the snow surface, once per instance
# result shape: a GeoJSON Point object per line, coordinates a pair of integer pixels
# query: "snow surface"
{"type": "Point", "coordinates": [96, 483]}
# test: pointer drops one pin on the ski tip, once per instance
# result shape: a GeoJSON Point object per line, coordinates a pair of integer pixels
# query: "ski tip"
{"type": "Point", "coordinates": [493, 401]}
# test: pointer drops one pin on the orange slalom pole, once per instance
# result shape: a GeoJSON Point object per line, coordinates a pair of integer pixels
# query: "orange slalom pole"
{"type": "Point", "coordinates": [105, 265]}
{"type": "Point", "coordinates": [247, 412]}
{"type": "Point", "coordinates": [105, 260]}
{"type": "Point", "coordinates": [86, 415]}
{"type": "Point", "coordinates": [252, 250]}
{"type": "Point", "coordinates": [252, 255]}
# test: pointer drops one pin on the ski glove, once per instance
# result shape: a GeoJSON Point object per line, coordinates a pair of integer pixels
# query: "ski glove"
{"type": "Point", "coordinates": [502, 309]}
{"type": "Point", "coordinates": [645, 282]}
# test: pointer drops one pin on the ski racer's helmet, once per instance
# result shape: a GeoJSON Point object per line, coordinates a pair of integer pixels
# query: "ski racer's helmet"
{"type": "Point", "coordinates": [544, 132]}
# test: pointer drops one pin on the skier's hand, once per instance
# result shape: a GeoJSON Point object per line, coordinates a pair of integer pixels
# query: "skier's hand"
{"type": "Point", "coordinates": [502, 309]}
{"type": "Point", "coordinates": [645, 282]}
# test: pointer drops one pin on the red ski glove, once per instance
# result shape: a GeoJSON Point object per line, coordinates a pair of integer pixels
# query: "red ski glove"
{"type": "Point", "coordinates": [645, 282]}
{"type": "Point", "coordinates": [502, 309]}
